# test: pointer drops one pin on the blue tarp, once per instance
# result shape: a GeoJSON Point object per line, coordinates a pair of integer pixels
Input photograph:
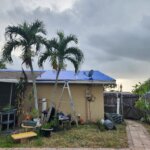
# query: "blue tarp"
{"type": "Point", "coordinates": [71, 76]}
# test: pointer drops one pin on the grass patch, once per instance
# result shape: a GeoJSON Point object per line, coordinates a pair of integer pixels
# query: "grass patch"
{"type": "Point", "coordinates": [82, 136]}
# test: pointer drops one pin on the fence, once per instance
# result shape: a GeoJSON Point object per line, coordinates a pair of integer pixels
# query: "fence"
{"type": "Point", "coordinates": [127, 107]}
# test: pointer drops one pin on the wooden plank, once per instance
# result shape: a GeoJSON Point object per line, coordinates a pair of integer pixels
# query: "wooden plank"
{"type": "Point", "coordinates": [23, 135]}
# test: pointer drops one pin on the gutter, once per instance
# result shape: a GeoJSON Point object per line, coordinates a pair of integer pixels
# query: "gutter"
{"type": "Point", "coordinates": [62, 82]}
{"type": "Point", "coordinates": [79, 82]}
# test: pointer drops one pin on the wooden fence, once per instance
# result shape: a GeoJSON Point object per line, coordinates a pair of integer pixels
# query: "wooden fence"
{"type": "Point", "coordinates": [127, 107]}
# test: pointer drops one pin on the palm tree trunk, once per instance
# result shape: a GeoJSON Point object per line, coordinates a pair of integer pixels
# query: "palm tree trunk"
{"type": "Point", "coordinates": [34, 89]}
{"type": "Point", "coordinates": [53, 96]}
{"type": "Point", "coordinates": [55, 88]}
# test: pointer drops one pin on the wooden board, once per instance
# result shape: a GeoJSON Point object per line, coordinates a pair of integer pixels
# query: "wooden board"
{"type": "Point", "coordinates": [23, 135]}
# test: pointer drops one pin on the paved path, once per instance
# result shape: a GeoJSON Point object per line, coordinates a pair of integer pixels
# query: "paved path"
{"type": "Point", "coordinates": [138, 139]}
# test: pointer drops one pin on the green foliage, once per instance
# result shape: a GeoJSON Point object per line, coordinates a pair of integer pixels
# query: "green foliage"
{"type": "Point", "coordinates": [100, 125]}
{"type": "Point", "coordinates": [141, 88]}
{"type": "Point", "coordinates": [48, 125]}
{"type": "Point", "coordinates": [34, 113]}
{"type": "Point", "coordinates": [2, 64]}
{"type": "Point", "coordinates": [58, 52]}
{"type": "Point", "coordinates": [51, 124]}
{"type": "Point", "coordinates": [6, 141]}
{"type": "Point", "coordinates": [24, 36]}
{"type": "Point", "coordinates": [8, 108]}
{"type": "Point", "coordinates": [55, 122]}
{"type": "Point", "coordinates": [144, 107]}
{"type": "Point", "coordinates": [28, 39]}
{"type": "Point", "coordinates": [20, 89]}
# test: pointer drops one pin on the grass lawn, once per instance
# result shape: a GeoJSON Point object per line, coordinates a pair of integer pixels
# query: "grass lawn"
{"type": "Point", "coordinates": [83, 136]}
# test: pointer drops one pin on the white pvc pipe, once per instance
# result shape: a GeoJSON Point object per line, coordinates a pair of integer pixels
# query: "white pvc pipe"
{"type": "Point", "coordinates": [118, 104]}
{"type": "Point", "coordinates": [44, 104]}
{"type": "Point", "coordinates": [10, 98]}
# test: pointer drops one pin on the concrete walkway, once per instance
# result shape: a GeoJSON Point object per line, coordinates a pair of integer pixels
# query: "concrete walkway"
{"type": "Point", "coordinates": [138, 138]}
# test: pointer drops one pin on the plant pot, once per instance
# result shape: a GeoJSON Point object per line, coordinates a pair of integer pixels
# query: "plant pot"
{"type": "Point", "coordinates": [28, 117]}
{"type": "Point", "coordinates": [37, 120]}
{"type": "Point", "coordinates": [29, 123]}
{"type": "Point", "coordinates": [57, 128]}
{"type": "Point", "coordinates": [46, 132]}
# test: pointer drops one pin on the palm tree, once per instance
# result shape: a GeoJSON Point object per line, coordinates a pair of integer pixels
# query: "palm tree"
{"type": "Point", "coordinates": [28, 38]}
{"type": "Point", "coordinates": [58, 52]}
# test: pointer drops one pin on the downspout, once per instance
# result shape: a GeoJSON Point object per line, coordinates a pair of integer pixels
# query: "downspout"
{"type": "Point", "coordinates": [118, 103]}
{"type": "Point", "coordinates": [10, 98]}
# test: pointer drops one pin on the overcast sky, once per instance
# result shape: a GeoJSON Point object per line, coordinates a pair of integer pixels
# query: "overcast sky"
{"type": "Point", "coordinates": [113, 34]}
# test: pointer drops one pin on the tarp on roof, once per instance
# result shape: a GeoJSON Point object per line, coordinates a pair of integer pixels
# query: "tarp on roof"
{"type": "Point", "coordinates": [71, 76]}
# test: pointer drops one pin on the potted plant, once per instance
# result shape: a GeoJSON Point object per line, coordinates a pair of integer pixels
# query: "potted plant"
{"type": "Point", "coordinates": [46, 129]}
{"type": "Point", "coordinates": [55, 124]}
{"type": "Point", "coordinates": [8, 108]}
{"type": "Point", "coordinates": [35, 116]}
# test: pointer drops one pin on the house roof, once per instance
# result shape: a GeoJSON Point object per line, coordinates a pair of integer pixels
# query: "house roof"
{"type": "Point", "coordinates": [7, 75]}
{"type": "Point", "coordinates": [82, 77]}
{"type": "Point", "coordinates": [50, 77]}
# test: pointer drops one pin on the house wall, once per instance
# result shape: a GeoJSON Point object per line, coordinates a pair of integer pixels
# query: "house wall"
{"type": "Point", "coordinates": [88, 110]}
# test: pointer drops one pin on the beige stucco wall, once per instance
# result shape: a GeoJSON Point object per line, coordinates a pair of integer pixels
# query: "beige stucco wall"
{"type": "Point", "coordinates": [95, 110]}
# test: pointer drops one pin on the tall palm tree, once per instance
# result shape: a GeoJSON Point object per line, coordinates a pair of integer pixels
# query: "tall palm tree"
{"type": "Point", "coordinates": [28, 38]}
{"type": "Point", "coordinates": [58, 52]}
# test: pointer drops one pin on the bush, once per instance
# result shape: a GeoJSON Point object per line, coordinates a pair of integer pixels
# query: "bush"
{"type": "Point", "coordinates": [101, 127]}
{"type": "Point", "coordinates": [144, 108]}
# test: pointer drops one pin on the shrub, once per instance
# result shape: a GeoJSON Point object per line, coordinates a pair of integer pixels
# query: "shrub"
{"type": "Point", "coordinates": [144, 108]}
{"type": "Point", "coordinates": [101, 127]}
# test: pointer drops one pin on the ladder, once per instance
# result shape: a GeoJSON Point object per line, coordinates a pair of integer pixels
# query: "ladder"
{"type": "Point", "coordinates": [67, 87]}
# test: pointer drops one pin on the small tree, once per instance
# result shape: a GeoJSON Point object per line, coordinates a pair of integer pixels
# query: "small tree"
{"type": "Point", "coordinates": [144, 106]}
{"type": "Point", "coordinates": [20, 90]}
{"type": "Point", "coordinates": [141, 88]}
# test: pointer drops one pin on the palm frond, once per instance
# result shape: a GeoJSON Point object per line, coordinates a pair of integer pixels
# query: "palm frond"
{"type": "Point", "coordinates": [53, 44]}
{"type": "Point", "coordinates": [8, 48]}
{"type": "Point", "coordinates": [27, 56]}
{"type": "Point", "coordinates": [76, 52]}
{"type": "Point", "coordinates": [38, 27]}
{"type": "Point", "coordinates": [54, 62]}
{"type": "Point", "coordinates": [11, 31]}
{"type": "Point", "coordinates": [44, 57]}
{"type": "Point", "coordinates": [38, 41]}
{"type": "Point", "coordinates": [66, 40]}
{"type": "Point", "coordinates": [60, 35]}
{"type": "Point", "coordinates": [71, 38]}
{"type": "Point", "coordinates": [74, 62]}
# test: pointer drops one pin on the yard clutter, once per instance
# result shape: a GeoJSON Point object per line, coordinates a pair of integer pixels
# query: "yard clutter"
{"type": "Point", "coordinates": [22, 137]}
{"type": "Point", "coordinates": [7, 119]}
{"type": "Point", "coordinates": [116, 118]}
{"type": "Point", "coordinates": [110, 121]}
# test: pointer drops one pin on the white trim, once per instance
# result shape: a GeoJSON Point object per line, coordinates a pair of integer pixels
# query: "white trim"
{"type": "Point", "coordinates": [80, 82]}
{"type": "Point", "coordinates": [9, 80]}
{"type": "Point", "coordinates": [62, 82]}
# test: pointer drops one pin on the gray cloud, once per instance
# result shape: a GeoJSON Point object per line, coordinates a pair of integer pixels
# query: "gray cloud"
{"type": "Point", "coordinates": [114, 35]}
